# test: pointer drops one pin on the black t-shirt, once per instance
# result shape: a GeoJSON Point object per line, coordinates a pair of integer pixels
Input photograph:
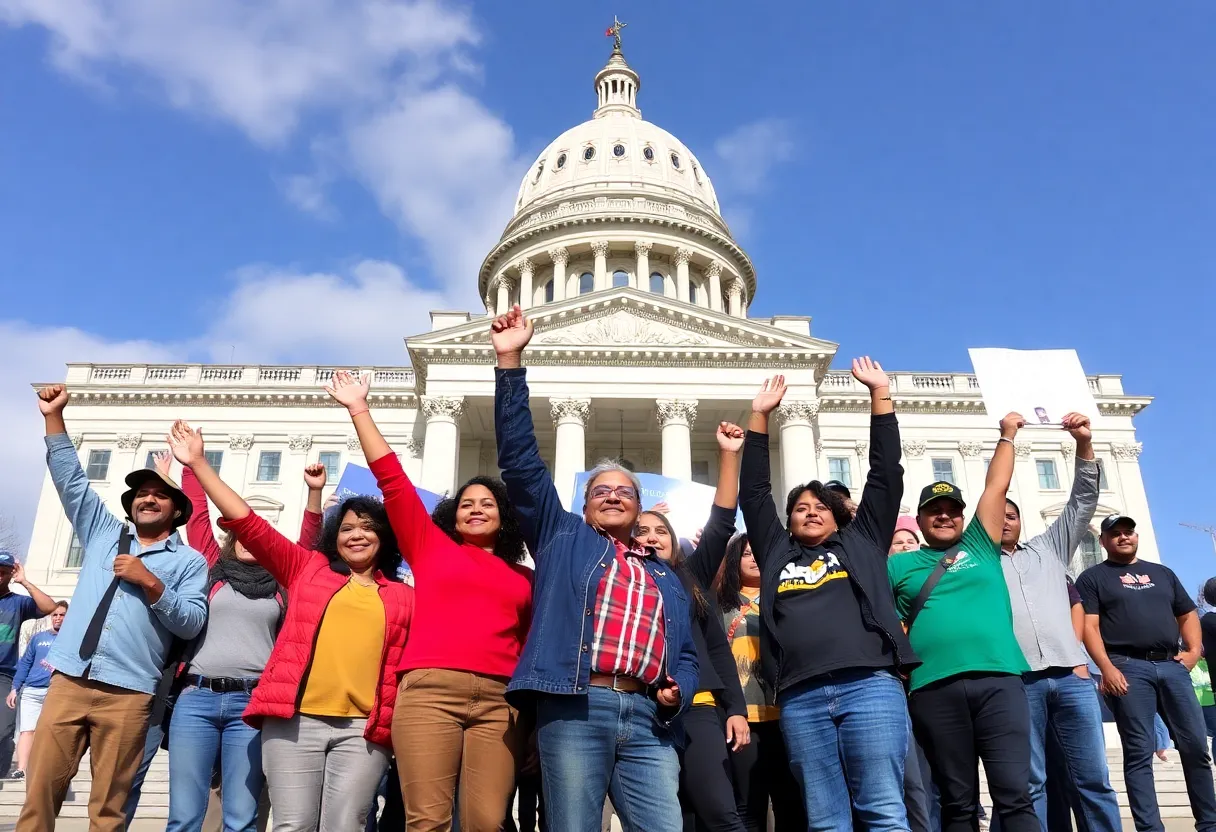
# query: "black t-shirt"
{"type": "Point", "coordinates": [1207, 626]}
{"type": "Point", "coordinates": [819, 622]}
{"type": "Point", "coordinates": [1137, 604]}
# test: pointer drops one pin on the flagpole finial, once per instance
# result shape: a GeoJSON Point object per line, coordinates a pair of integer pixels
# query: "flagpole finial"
{"type": "Point", "coordinates": [614, 31]}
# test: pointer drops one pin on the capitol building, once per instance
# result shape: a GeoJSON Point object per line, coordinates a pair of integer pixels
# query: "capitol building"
{"type": "Point", "coordinates": [618, 250]}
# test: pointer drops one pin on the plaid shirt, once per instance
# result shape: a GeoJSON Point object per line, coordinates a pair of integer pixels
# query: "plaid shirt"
{"type": "Point", "coordinates": [629, 636]}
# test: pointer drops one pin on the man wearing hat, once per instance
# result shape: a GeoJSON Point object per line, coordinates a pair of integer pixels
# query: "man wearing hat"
{"type": "Point", "coordinates": [967, 701]}
{"type": "Point", "coordinates": [139, 588]}
{"type": "Point", "coordinates": [1135, 612]}
{"type": "Point", "coordinates": [15, 610]}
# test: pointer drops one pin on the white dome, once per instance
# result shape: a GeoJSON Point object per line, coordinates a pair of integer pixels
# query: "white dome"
{"type": "Point", "coordinates": [616, 150]}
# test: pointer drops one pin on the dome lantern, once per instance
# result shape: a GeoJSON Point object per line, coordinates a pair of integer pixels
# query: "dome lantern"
{"type": "Point", "coordinates": [617, 84]}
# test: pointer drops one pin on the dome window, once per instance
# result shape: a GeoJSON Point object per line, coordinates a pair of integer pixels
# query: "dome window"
{"type": "Point", "coordinates": [561, 161]}
{"type": "Point", "coordinates": [648, 153]}
{"type": "Point", "coordinates": [620, 278]}
{"type": "Point", "coordinates": [618, 150]}
{"type": "Point", "coordinates": [540, 168]}
{"type": "Point", "coordinates": [588, 153]}
{"type": "Point", "coordinates": [696, 173]}
{"type": "Point", "coordinates": [675, 161]}
{"type": "Point", "coordinates": [586, 283]}
{"type": "Point", "coordinates": [656, 283]}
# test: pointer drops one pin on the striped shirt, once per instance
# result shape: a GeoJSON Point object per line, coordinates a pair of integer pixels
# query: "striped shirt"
{"type": "Point", "coordinates": [629, 636]}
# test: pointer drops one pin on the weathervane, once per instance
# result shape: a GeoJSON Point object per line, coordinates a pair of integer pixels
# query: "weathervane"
{"type": "Point", "coordinates": [614, 31]}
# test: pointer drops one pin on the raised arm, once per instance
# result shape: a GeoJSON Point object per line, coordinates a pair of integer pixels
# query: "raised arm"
{"type": "Point", "coordinates": [198, 527]}
{"type": "Point", "coordinates": [1064, 535]}
{"type": "Point", "coordinates": [43, 604]}
{"type": "Point", "coordinates": [529, 485]}
{"type": "Point", "coordinates": [312, 519]}
{"type": "Point", "coordinates": [878, 510]}
{"type": "Point", "coordinates": [84, 509]}
{"type": "Point", "coordinates": [764, 528]}
{"type": "Point", "coordinates": [703, 563]}
{"type": "Point", "coordinates": [990, 511]}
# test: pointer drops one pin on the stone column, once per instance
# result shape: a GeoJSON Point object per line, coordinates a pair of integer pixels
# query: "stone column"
{"type": "Point", "coordinates": [862, 447]}
{"type": "Point", "coordinates": [641, 279]}
{"type": "Point", "coordinates": [798, 461]}
{"type": "Point", "coordinates": [526, 270]}
{"type": "Point", "coordinates": [600, 249]}
{"type": "Point", "coordinates": [441, 447]}
{"type": "Point", "coordinates": [1134, 498]}
{"type": "Point", "coordinates": [714, 275]}
{"type": "Point", "coordinates": [570, 454]}
{"type": "Point", "coordinates": [234, 467]}
{"type": "Point", "coordinates": [735, 298]}
{"type": "Point", "coordinates": [505, 285]}
{"type": "Point", "coordinates": [974, 472]}
{"type": "Point", "coordinates": [292, 476]}
{"type": "Point", "coordinates": [918, 472]}
{"type": "Point", "coordinates": [411, 457]}
{"type": "Point", "coordinates": [560, 258]}
{"type": "Point", "coordinates": [676, 418]}
{"type": "Point", "coordinates": [126, 461]}
{"type": "Point", "coordinates": [682, 257]}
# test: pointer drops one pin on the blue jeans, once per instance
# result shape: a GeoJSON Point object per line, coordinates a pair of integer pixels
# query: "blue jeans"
{"type": "Point", "coordinates": [1165, 687]}
{"type": "Point", "coordinates": [1065, 706]}
{"type": "Point", "coordinates": [205, 726]}
{"type": "Point", "coordinates": [607, 744]}
{"type": "Point", "coordinates": [847, 737]}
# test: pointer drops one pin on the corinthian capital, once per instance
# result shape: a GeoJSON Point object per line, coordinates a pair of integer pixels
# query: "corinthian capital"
{"type": "Point", "coordinates": [682, 256]}
{"type": "Point", "coordinates": [569, 411]}
{"type": "Point", "coordinates": [1068, 449]}
{"type": "Point", "coordinates": [299, 443]}
{"type": "Point", "coordinates": [559, 256]}
{"type": "Point", "coordinates": [240, 443]}
{"type": "Point", "coordinates": [714, 269]}
{"type": "Point", "coordinates": [914, 448]}
{"type": "Point", "coordinates": [600, 248]}
{"type": "Point", "coordinates": [525, 266]}
{"type": "Point", "coordinates": [970, 448]}
{"type": "Point", "coordinates": [413, 446]}
{"type": "Point", "coordinates": [642, 248]}
{"type": "Point", "coordinates": [1126, 451]}
{"type": "Point", "coordinates": [77, 439]}
{"type": "Point", "coordinates": [798, 411]}
{"type": "Point", "coordinates": [506, 281]}
{"type": "Point", "coordinates": [676, 412]}
{"type": "Point", "coordinates": [449, 408]}
{"type": "Point", "coordinates": [1022, 449]}
{"type": "Point", "coordinates": [128, 441]}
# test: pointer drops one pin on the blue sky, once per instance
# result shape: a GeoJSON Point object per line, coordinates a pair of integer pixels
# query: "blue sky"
{"type": "Point", "coordinates": [188, 179]}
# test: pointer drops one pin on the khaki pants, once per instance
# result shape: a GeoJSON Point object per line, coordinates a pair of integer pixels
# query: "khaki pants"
{"type": "Point", "coordinates": [449, 725]}
{"type": "Point", "coordinates": [81, 714]}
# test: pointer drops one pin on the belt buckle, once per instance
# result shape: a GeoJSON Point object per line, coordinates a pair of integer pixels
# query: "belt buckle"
{"type": "Point", "coordinates": [615, 678]}
{"type": "Point", "coordinates": [212, 683]}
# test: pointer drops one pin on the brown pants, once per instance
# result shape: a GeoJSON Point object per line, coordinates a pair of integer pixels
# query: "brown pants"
{"type": "Point", "coordinates": [81, 714]}
{"type": "Point", "coordinates": [451, 724]}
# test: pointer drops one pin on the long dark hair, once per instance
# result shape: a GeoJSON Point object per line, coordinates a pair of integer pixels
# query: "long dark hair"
{"type": "Point", "coordinates": [388, 559]}
{"type": "Point", "coordinates": [700, 605]}
{"type": "Point", "coordinates": [835, 502]}
{"type": "Point", "coordinates": [509, 543]}
{"type": "Point", "coordinates": [730, 584]}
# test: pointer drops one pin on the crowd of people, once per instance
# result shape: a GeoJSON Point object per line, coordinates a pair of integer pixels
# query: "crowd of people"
{"type": "Point", "coordinates": [841, 667]}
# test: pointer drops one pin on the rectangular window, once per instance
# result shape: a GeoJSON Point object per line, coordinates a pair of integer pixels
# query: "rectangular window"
{"type": "Point", "coordinates": [840, 470]}
{"type": "Point", "coordinates": [268, 466]}
{"type": "Point", "coordinates": [331, 460]}
{"type": "Point", "coordinates": [1048, 481]}
{"type": "Point", "coordinates": [75, 553]}
{"type": "Point", "coordinates": [943, 471]}
{"type": "Point", "coordinates": [150, 460]}
{"type": "Point", "coordinates": [1103, 484]}
{"type": "Point", "coordinates": [215, 459]}
{"type": "Point", "coordinates": [700, 472]}
{"type": "Point", "coordinates": [99, 465]}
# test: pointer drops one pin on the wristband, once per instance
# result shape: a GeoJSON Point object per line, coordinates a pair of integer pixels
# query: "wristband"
{"type": "Point", "coordinates": [354, 413]}
{"type": "Point", "coordinates": [1004, 439]}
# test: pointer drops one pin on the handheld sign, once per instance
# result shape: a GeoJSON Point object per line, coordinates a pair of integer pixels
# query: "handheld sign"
{"type": "Point", "coordinates": [1042, 385]}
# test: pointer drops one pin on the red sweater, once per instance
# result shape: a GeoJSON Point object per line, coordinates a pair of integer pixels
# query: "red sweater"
{"type": "Point", "coordinates": [472, 609]}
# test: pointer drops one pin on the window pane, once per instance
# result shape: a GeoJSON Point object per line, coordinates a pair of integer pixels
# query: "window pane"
{"type": "Point", "coordinates": [840, 469]}
{"type": "Point", "coordinates": [586, 283]}
{"type": "Point", "coordinates": [331, 460]}
{"type": "Point", "coordinates": [268, 466]}
{"type": "Point", "coordinates": [1102, 482]}
{"type": "Point", "coordinates": [549, 292]}
{"type": "Point", "coordinates": [99, 465]}
{"type": "Point", "coordinates": [214, 459]}
{"type": "Point", "coordinates": [75, 553]}
{"type": "Point", "coordinates": [692, 293]}
{"type": "Point", "coordinates": [150, 460]}
{"type": "Point", "coordinates": [620, 278]}
{"type": "Point", "coordinates": [700, 472]}
{"type": "Point", "coordinates": [656, 283]}
{"type": "Point", "coordinates": [943, 470]}
{"type": "Point", "coordinates": [1048, 481]}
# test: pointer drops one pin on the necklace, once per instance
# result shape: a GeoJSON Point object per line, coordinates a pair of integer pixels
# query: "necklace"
{"type": "Point", "coordinates": [356, 579]}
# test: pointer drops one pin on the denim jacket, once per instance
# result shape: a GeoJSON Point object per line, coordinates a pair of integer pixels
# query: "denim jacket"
{"type": "Point", "coordinates": [570, 559]}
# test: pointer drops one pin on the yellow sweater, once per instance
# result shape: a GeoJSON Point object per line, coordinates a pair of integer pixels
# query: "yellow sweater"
{"type": "Point", "coordinates": [346, 661]}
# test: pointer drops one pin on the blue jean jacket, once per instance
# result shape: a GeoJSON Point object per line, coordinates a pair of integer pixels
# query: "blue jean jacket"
{"type": "Point", "coordinates": [570, 558]}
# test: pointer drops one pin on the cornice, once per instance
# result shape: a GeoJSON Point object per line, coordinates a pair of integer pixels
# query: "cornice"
{"type": "Point", "coordinates": [94, 395]}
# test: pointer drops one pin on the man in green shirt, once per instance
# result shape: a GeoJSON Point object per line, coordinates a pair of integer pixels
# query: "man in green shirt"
{"type": "Point", "coordinates": [967, 696]}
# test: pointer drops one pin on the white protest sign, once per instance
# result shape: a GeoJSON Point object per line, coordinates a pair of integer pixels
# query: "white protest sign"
{"type": "Point", "coordinates": [1042, 385]}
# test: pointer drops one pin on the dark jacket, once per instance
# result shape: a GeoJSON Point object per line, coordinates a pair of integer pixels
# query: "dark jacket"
{"type": "Point", "coordinates": [719, 673]}
{"type": "Point", "coordinates": [570, 558]}
{"type": "Point", "coordinates": [861, 546]}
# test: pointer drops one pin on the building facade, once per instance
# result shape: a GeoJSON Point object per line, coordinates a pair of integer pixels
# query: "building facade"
{"type": "Point", "coordinates": [640, 295]}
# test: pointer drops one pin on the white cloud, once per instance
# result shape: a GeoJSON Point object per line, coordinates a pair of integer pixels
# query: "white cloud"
{"type": "Point", "coordinates": [748, 154]}
{"type": "Point", "coordinates": [307, 193]}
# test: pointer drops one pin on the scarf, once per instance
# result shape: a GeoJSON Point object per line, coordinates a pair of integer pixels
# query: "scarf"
{"type": "Point", "coordinates": [249, 579]}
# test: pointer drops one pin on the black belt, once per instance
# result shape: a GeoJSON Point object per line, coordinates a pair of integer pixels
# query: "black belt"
{"type": "Point", "coordinates": [1146, 655]}
{"type": "Point", "coordinates": [220, 684]}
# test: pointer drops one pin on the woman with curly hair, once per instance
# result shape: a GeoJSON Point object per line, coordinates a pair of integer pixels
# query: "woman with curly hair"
{"type": "Point", "coordinates": [325, 700]}
{"type": "Point", "coordinates": [474, 608]}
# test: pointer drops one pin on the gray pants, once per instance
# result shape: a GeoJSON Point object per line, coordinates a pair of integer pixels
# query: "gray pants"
{"type": "Point", "coordinates": [321, 773]}
{"type": "Point", "coordinates": [8, 722]}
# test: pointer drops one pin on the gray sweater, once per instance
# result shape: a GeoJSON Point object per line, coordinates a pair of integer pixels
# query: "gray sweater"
{"type": "Point", "coordinates": [239, 636]}
{"type": "Point", "coordinates": [1035, 574]}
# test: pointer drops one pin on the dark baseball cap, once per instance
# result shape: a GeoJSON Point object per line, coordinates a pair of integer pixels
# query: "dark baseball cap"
{"type": "Point", "coordinates": [7, 559]}
{"type": "Point", "coordinates": [1114, 520]}
{"type": "Point", "coordinates": [839, 488]}
{"type": "Point", "coordinates": [940, 490]}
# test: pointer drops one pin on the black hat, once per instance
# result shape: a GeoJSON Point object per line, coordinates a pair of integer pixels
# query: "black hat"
{"type": "Point", "coordinates": [135, 479]}
{"type": "Point", "coordinates": [839, 488]}
{"type": "Point", "coordinates": [1115, 519]}
{"type": "Point", "coordinates": [938, 490]}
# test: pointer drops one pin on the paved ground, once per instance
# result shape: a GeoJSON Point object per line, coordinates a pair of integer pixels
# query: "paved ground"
{"type": "Point", "coordinates": [73, 825]}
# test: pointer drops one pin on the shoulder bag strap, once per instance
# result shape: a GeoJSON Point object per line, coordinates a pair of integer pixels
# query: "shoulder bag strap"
{"type": "Point", "coordinates": [927, 589]}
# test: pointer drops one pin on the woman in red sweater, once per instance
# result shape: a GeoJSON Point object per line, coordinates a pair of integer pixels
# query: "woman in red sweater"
{"type": "Point", "coordinates": [474, 605]}
{"type": "Point", "coordinates": [325, 700]}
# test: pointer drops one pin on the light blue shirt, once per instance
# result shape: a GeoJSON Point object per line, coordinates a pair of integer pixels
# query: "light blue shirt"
{"type": "Point", "coordinates": [135, 643]}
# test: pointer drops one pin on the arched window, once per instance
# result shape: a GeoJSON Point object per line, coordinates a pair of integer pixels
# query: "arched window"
{"type": "Point", "coordinates": [586, 283]}
{"type": "Point", "coordinates": [549, 292]}
{"type": "Point", "coordinates": [656, 283]}
{"type": "Point", "coordinates": [620, 278]}
{"type": "Point", "coordinates": [692, 293]}
{"type": "Point", "coordinates": [1088, 554]}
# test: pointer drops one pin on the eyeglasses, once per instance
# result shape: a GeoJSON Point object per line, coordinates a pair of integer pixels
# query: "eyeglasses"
{"type": "Point", "coordinates": [622, 492]}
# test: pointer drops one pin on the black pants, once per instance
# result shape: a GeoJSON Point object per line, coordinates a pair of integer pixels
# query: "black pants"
{"type": "Point", "coordinates": [707, 794]}
{"type": "Point", "coordinates": [762, 773]}
{"type": "Point", "coordinates": [531, 805]}
{"type": "Point", "coordinates": [964, 719]}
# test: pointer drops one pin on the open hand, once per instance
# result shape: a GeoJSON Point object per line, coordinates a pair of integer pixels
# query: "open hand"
{"type": "Point", "coordinates": [770, 395]}
{"type": "Point", "coordinates": [52, 399]}
{"type": "Point", "coordinates": [330, 502]}
{"type": "Point", "coordinates": [18, 576]}
{"type": "Point", "coordinates": [661, 507]}
{"type": "Point", "coordinates": [1113, 683]}
{"type": "Point", "coordinates": [1078, 425]}
{"type": "Point", "coordinates": [348, 391]}
{"type": "Point", "coordinates": [511, 332]}
{"type": "Point", "coordinates": [161, 460]}
{"type": "Point", "coordinates": [738, 732]}
{"type": "Point", "coordinates": [870, 373]}
{"type": "Point", "coordinates": [1011, 424]}
{"type": "Point", "coordinates": [669, 696]}
{"type": "Point", "coordinates": [186, 443]}
{"type": "Point", "coordinates": [730, 437]}
{"type": "Point", "coordinates": [314, 476]}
